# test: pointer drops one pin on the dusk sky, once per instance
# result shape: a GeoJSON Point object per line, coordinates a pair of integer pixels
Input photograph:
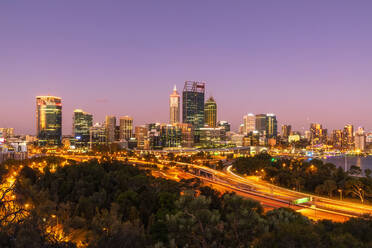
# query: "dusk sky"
{"type": "Point", "coordinates": [305, 61]}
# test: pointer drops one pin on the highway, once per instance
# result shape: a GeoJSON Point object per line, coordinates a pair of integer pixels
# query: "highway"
{"type": "Point", "coordinates": [269, 195]}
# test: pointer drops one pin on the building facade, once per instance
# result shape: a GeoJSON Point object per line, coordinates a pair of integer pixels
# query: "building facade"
{"type": "Point", "coordinates": [98, 135]}
{"type": "Point", "coordinates": [82, 122]}
{"type": "Point", "coordinates": [126, 128]}
{"type": "Point", "coordinates": [249, 122]}
{"type": "Point", "coordinates": [49, 120]}
{"type": "Point", "coordinates": [261, 123]}
{"type": "Point", "coordinates": [210, 113]}
{"type": "Point", "coordinates": [175, 106]}
{"type": "Point", "coordinates": [226, 125]}
{"type": "Point", "coordinates": [271, 126]}
{"type": "Point", "coordinates": [193, 103]}
{"type": "Point", "coordinates": [110, 125]}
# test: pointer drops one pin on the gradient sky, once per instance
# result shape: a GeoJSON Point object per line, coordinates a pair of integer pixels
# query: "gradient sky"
{"type": "Point", "coordinates": [306, 61]}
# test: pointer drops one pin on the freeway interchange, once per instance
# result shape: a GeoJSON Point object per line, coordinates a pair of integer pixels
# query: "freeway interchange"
{"type": "Point", "coordinates": [269, 195]}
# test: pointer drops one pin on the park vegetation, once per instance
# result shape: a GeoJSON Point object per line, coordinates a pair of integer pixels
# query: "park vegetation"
{"type": "Point", "coordinates": [108, 203]}
{"type": "Point", "coordinates": [312, 176]}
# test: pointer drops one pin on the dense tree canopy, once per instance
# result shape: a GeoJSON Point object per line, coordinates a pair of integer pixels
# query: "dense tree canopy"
{"type": "Point", "coordinates": [113, 204]}
{"type": "Point", "coordinates": [308, 175]}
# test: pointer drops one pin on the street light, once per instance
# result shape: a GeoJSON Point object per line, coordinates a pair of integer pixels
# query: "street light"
{"type": "Point", "coordinates": [340, 190]}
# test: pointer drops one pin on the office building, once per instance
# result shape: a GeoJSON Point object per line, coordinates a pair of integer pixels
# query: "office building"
{"type": "Point", "coordinates": [271, 126]}
{"type": "Point", "coordinates": [110, 125]}
{"type": "Point", "coordinates": [193, 103]}
{"type": "Point", "coordinates": [348, 137]}
{"type": "Point", "coordinates": [212, 137]}
{"type": "Point", "coordinates": [286, 131]}
{"type": "Point", "coordinates": [187, 134]}
{"type": "Point", "coordinates": [175, 106]}
{"type": "Point", "coordinates": [170, 136]}
{"type": "Point", "coordinates": [261, 123]}
{"type": "Point", "coordinates": [210, 113]}
{"type": "Point", "coordinates": [82, 122]}
{"type": "Point", "coordinates": [226, 125]}
{"type": "Point", "coordinates": [249, 122]}
{"type": "Point", "coordinates": [141, 135]}
{"type": "Point", "coordinates": [6, 133]}
{"type": "Point", "coordinates": [49, 120]}
{"type": "Point", "coordinates": [337, 138]}
{"type": "Point", "coordinates": [360, 140]}
{"type": "Point", "coordinates": [252, 139]}
{"type": "Point", "coordinates": [126, 128]}
{"type": "Point", "coordinates": [98, 135]}
{"type": "Point", "coordinates": [318, 135]}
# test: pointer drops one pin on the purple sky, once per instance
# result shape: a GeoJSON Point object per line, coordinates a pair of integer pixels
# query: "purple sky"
{"type": "Point", "coordinates": [306, 62]}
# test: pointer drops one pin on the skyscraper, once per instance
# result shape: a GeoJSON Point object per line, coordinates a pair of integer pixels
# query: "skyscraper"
{"type": "Point", "coordinates": [286, 131]}
{"type": "Point", "coordinates": [271, 126]}
{"type": "Point", "coordinates": [318, 135]}
{"type": "Point", "coordinates": [98, 135]}
{"type": "Point", "coordinates": [249, 122]}
{"type": "Point", "coordinates": [337, 138]}
{"type": "Point", "coordinates": [360, 140]}
{"type": "Point", "coordinates": [82, 122]}
{"type": "Point", "coordinates": [210, 112]}
{"type": "Point", "coordinates": [175, 106]}
{"type": "Point", "coordinates": [49, 120]}
{"type": "Point", "coordinates": [110, 125]}
{"type": "Point", "coordinates": [261, 123]}
{"type": "Point", "coordinates": [126, 127]}
{"type": "Point", "coordinates": [193, 103]}
{"type": "Point", "coordinates": [348, 137]}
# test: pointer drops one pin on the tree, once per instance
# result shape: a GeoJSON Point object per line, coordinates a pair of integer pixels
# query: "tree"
{"type": "Point", "coordinates": [355, 187]}
{"type": "Point", "coordinates": [329, 186]}
{"type": "Point", "coordinates": [355, 170]}
{"type": "Point", "coordinates": [194, 224]}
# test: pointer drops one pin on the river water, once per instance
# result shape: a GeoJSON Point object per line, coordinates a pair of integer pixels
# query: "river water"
{"type": "Point", "coordinates": [339, 161]}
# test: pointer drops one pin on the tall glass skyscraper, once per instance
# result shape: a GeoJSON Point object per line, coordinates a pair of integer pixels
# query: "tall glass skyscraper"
{"type": "Point", "coordinates": [193, 103]}
{"type": "Point", "coordinates": [261, 123]}
{"type": "Point", "coordinates": [210, 112]}
{"type": "Point", "coordinates": [82, 122]}
{"type": "Point", "coordinates": [49, 120]}
{"type": "Point", "coordinates": [271, 126]}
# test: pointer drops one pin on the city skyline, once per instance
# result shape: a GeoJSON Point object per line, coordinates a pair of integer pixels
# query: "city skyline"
{"type": "Point", "coordinates": [266, 61]}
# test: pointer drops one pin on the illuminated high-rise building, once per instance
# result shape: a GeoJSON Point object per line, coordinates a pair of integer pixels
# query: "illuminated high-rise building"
{"type": "Point", "coordinates": [249, 122]}
{"type": "Point", "coordinates": [187, 134]}
{"type": "Point", "coordinates": [110, 125]}
{"type": "Point", "coordinates": [210, 112]}
{"type": "Point", "coordinates": [141, 134]}
{"type": "Point", "coordinates": [175, 106]}
{"type": "Point", "coordinates": [271, 126]}
{"type": "Point", "coordinates": [337, 138]}
{"type": "Point", "coordinates": [286, 131]}
{"type": "Point", "coordinates": [226, 125]}
{"type": "Point", "coordinates": [6, 133]}
{"type": "Point", "coordinates": [49, 120]}
{"type": "Point", "coordinates": [267, 125]}
{"type": "Point", "coordinates": [261, 121]}
{"type": "Point", "coordinates": [82, 122]}
{"type": "Point", "coordinates": [360, 140]}
{"type": "Point", "coordinates": [126, 127]}
{"type": "Point", "coordinates": [318, 135]}
{"type": "Point", "coordinates": [348, 137]}
{"type": "Point", "coordinates": [193, 103]}
{"type": "Point", "coordinates": [98, 135]}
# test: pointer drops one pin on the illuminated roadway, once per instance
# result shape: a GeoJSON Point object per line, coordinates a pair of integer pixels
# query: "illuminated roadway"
{"type": "Point", "coordinates": [269, 195]}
